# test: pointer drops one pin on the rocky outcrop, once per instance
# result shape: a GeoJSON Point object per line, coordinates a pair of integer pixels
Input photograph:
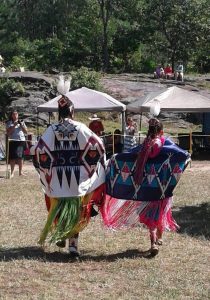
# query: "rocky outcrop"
{"type": "Point", "coordinates": [130, 87]}
{"type": "Point", "coordinates": [40, 87]}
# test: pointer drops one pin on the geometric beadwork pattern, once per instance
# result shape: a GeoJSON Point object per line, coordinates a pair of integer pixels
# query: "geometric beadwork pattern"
{"type": "Point", "coordinates": [67, 155]}
{"type": "Point", "coordinates": [161, 174]}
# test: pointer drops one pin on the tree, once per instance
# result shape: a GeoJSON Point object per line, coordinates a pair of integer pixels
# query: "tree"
{"type": "Point", "coordinates": [105, 13]}
{"type": "Point", "coordinates": [127, 37]}
{"type": "Point", "coordinates": [113, 35]}
{"type": "Point", "coordinates": [176, 27]}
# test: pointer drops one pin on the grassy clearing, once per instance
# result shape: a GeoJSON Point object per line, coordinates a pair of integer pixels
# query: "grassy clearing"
{"type": "Point", "coordinates": [114, 265]}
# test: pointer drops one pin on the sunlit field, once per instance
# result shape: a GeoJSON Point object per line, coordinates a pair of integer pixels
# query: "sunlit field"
{"type": "Point", "coordinates": [113, 265]}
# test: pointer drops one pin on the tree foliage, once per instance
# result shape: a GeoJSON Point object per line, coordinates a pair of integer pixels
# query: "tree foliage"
{"type": "Point", "coordinates": [178, 27]}
{"type": "Point", "coordinates": [108, 35]}
{"type": "Point", "coordinates": [8, 89]}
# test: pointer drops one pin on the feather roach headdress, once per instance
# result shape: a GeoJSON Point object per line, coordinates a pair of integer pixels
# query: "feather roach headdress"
{"type": "Point", "coordinates": [65, 105]}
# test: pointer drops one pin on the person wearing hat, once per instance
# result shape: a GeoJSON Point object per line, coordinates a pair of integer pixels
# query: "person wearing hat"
{"type": "Point", "coordinates": [70, 160]}
{"type": "Point", "coordinates": [96, 125]}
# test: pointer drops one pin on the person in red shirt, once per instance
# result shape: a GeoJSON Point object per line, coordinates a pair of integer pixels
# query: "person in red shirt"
{"type": "Point", "coordinates": [96, 125]}
{"type": "Point", "coordinates": [168, 71]}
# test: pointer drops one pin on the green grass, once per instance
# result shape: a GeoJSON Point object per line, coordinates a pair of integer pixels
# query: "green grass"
{"type": "Point", "coordinates": [113, 264]}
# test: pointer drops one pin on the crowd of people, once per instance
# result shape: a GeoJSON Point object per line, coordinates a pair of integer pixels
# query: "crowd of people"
{"type": "Point", "coordinates": [168, 73]}
{"type": "Point", "coordinates": [70, 158]}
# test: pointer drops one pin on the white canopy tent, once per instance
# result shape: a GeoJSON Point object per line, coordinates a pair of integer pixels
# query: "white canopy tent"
{"type": "Point", "coordinates": [173, 99]}
{"type": "Point", "coordinates": [87, 100]}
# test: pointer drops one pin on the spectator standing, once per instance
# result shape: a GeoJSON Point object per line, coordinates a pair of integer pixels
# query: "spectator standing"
{"type": "Point", "coordinates": [96, 125]}
{"type": "Point", "coordinates": [16, 131]}
{"type": "Point", "coordinates": [130, 131]}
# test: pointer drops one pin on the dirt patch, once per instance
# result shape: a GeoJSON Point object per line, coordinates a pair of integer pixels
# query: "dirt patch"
{"type": "Point", "coordinates": [199, 166]}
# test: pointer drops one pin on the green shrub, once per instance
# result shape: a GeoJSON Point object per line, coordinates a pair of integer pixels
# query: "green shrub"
{"type": "Point", "coordinates": [117, 64]}
{"type": "Point", "coordinates": [85, 77]}
{"type": "Point", "coordinates": [48, 54]}
{"type": "Point", "coordinates": [148, 65]}
{"type": "Point", "coordinates": [135, 61]}
{"type": "Point", "coordinates": [17, 62]}
{"type": "Point", "coordinates": [40, 55]}
{"type": "Point", "coordinates": [15, 52]}
{"type": "Point", "coordinates": [8, 89]}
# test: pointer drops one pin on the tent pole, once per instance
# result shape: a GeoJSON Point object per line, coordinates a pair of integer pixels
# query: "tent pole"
{"type": "Point", "coordinates": [123, 122]}
{"type": "Point", "coordinates": [140, 121]}
{"type": "Point", "coordinates": [190, 137]}
{"type": "Point", "coordinates": [37, 124]}
{"type": "Point", "coordinates": [123, 125]}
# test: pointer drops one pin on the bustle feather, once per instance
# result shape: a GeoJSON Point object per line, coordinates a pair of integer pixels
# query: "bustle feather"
{"type": "Point", "coordinates": [155, 108]}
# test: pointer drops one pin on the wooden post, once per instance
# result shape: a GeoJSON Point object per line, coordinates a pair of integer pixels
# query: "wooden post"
{"type": "Point", "coordinates": [7, 160]}
{"type": "Point", "coordinates": [140, 121]}
{"type": "Point", "coordinates": [113, 137]}
{"type": "Point", "coordinates": [37, 124]}
{"type": "Point", "coordinates": [191, 142]}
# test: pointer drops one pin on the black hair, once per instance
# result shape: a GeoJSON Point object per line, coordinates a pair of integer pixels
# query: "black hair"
{"type": "Point", "coordinates": [117, 131]}
{"type": "Point", "coordinates": [66, 110]}
{"type": "Point", "coordinates": [154, 129]}
{"type": "Point", "coordinates": [11, 113]}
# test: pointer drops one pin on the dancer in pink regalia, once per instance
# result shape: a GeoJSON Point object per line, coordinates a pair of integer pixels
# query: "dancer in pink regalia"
{"type": "Point", "coordinates": [139, 185]}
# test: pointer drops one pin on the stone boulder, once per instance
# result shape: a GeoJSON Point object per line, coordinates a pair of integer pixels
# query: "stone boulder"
{"type": "Point", "coordinates": [38, 88]}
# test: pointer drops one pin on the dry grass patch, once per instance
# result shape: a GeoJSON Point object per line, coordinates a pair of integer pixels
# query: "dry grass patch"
{"type": "Point", "coordinates": [113, 265]}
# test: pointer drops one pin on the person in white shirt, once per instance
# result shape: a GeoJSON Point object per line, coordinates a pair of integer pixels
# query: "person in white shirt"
{"type": "Point", "coordinates": [179, 73]}
{"type": "Point", "coordinates": [16, 131]}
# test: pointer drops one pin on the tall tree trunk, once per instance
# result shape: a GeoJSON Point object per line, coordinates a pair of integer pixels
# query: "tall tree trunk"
{"type": "Point", "coordinates": [105, 8]}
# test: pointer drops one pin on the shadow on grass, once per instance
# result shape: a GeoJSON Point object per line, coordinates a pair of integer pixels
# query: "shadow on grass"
{"type": "Point", "coordinates": [194, 220]}
{"type": "Point", "coordinates": [37, 253]}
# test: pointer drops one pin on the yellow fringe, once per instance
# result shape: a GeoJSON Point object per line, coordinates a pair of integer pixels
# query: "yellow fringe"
{"type": "Point", "coordinates": [83, 220]}
{"type": "Point", "coordinates": [53, 204]}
